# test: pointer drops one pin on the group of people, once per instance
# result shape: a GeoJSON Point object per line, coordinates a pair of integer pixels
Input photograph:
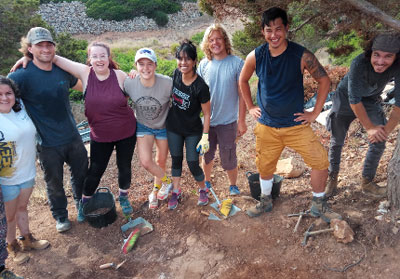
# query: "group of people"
{"type": "Point", "coordinates": [34, 100]}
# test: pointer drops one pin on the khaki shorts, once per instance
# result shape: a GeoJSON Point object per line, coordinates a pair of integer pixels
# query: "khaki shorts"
{"type": "Point", "coordinates": [270, 143]}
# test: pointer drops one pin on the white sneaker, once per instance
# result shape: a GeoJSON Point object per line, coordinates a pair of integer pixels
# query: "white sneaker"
{"type": "Point", "coordinates": [164, 191]}
{"type": "Point", "coordinates": [153, 201]}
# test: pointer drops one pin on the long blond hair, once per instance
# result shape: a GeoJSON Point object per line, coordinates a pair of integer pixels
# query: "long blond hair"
{"type": "Point", "coordinates": [205, 45]}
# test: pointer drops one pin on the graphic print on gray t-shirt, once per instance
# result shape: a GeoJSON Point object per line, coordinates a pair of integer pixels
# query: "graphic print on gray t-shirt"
{"type": "Point", "coordinates": [148, 107]}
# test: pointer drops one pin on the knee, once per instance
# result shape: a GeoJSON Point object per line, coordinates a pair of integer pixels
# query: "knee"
{"type": "Point", "coordinates": [195, 168]}
{"type": "Point", "coordinates": [146, 163]}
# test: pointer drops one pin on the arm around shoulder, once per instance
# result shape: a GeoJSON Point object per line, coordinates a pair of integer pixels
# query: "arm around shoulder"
{"type": "Point", "coordinates": [76, 69]}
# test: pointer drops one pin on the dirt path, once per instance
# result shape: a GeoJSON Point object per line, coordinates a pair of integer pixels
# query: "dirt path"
{"type": "Point", "coordinates": [185, 244]}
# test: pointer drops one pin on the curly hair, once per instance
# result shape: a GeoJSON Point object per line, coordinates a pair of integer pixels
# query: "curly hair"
{"type": "Point", "coordinates": [205, 46]}
{"type": "Point", "coordinates": [24, 48]}
{"type": "Point", "coordinates": [6, 81]}
{"type": "Point", "coordinates": [112, 64]}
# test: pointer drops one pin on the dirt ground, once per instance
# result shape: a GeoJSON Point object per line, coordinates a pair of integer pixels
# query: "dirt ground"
{"type": "Point", "coordinates": [185, 244]}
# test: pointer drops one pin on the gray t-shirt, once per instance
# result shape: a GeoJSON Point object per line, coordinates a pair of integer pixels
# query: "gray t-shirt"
{"type": "Point", "coordinates": [363, 84]}
{"type": "Point", "coordinates": [151, 104]}
{"type": "Point", "coordinates": [222, 77]}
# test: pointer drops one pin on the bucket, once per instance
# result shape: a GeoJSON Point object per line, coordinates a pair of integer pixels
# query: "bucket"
{"type": "Point", "coordinates": [254, 183]}
{"type": "Point", "coordinates": [100, 210]}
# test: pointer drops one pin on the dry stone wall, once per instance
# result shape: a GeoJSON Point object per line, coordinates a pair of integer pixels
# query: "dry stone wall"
{"type": "Point", "coordinates": [71, 18]}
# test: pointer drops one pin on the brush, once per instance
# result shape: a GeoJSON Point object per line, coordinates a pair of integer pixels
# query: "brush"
{"type": "Point", "coordinates": [130, 241]}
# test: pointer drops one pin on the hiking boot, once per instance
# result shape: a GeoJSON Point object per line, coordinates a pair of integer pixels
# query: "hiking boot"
{"type": "Point", "coordinates": [203, 197]}
{"type": "Point", "coordinates": [372, 189]}
{"type": "Point", "coordinates": [331, 186]}
{"type": "Point", "coordinates": [320, 208]}
{"type": "Point", "coordinates": [80, 216]}
{"type": "Point", "coordinates": [264, 205]}
{"type": "Point", "coordinates": [7, 274]}
{"type": "Point", "coordinates": [63, 225]}
{"type": "Point", "coordinates": [28, 242]}
{"type": "Point", "coordinates": [234, 190]}
{"type": "Point", "coordinates": [173, 201]}
{"type": "Point", "coordinates": [125, 205]}
{"type": "Point", "coordinates": [164, 191]}
{"type": "Point", "coordinates": [15, 251]}
{"type": "Point", "coordinates": [153, 201]}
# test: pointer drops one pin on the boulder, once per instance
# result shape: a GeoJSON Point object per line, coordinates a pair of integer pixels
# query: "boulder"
{"type": "Point", "coordinates": [290, 167]}
{"type": "Point", "coordinates": [342, 231]}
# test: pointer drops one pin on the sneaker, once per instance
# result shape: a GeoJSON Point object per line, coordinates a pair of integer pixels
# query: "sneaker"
{"type": "Point", "coordinates": [372, 189]}
{"type": "Point", "coordinates": [153, 201]}
{"type": "Point", "coordinates": [331, 186]}
{"type": "Point", "coordinates": [6, 274]}
{"type": "Point", "coordinates": [125, 205]}
{"type": "Point", "coordinates": [164, 191]}
{"type": "Point", "coordinates": [320, 208]}
{"type": "Point", "coordinates": [203, 198]}
{"type": "Point", "coordinates": [264, 205]}
{"type": "Point", "coordinates": [15, 251]}
{"type": "Point", "coordinates": [63, 225]}
{"type": "Point", "coordinates": [28, 242]}
{"type": "Point", "coordinates": [234, 190]}
{"type": "Point", "coordinates": [80, 216]}
{"type": "Point", "coordinates": [173, 201]}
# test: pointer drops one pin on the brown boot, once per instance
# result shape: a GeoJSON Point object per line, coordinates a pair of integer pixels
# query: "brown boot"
{"type": "Point", "coordinates": [331, 186]}
{"type": "Point", "coordinates": [372, 189]}
{"type": "Point", "coordinates": [28, 242]}
{"type": "Point", "coordinates": [14, 250]}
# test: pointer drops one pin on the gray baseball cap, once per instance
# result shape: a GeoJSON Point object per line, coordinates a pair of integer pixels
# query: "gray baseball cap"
{"type": "Point", "coordinates": [387, 42]}
{"type": "Point", "coordinates": [39, 34]}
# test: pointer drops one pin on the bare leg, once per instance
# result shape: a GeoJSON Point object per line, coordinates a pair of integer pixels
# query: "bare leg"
{"type": "Point", "coordinates": [22, 210]}
{"type": "Point", "coordinates": [145, 148]}
{"type": "Point", "coordinates": [232, 176]}
{"type": "Point", "coordinates": [161, 157]}
{"type": "Point", "coordinates": [207, 169]}
{"type": "Point", "coordinates": [318, 180]}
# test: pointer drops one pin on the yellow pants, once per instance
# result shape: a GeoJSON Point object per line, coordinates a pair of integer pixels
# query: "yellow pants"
{"type": "Point", "coordinates": [270, 143]}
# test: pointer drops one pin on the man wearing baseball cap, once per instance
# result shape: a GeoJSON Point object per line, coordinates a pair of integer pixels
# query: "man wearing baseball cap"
{"type": "Point", "coordinates": [358, 95]}
{"type": "Point", "coordinates": [45, 92]}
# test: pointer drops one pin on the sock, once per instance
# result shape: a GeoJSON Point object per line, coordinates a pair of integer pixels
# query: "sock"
{"type": "Point", "coordinates": [85, 199]}
{"type": "Point", "coordinates": [157, 186]}
{"type": "Point", "coordinates": [318, 195]}
{"type": "Point", "coordinates": [208, 184]}
{"type": "Point", "coordinates": [166, 179]}
{"type": "Point", "coordinates": [2, 267]}
{"type": "Point", "coordinates": [266, 186]}
{"type": "Point", "coordinates": [123, 193]}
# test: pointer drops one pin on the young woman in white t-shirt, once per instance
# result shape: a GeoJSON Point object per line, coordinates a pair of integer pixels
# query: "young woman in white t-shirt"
{"type": "Point", "coordinates": [17, 170]}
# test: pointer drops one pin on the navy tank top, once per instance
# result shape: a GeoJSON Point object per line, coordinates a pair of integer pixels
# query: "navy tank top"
{"type": "Point", "coordinates": [280, 91]}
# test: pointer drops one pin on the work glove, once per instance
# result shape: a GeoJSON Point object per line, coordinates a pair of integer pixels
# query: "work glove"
{"type": "Point", "coordinates": [204, 145]}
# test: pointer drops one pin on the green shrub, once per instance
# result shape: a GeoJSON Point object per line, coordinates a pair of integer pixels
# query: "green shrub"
{"type": "Point", "coordinates": [166, 67]}
{"type": "Point", "coordinates": [71, 48]}
{"type": "Point", "coordinates": [206, 7]}
{"type": "Point", "coordinates": [247, 39]}
{"type": "Point", "coordinates": [197, 38]}
{"type": "Point", "coordinates": [345, 47]}
{"type": "Point", "coordinates": [160, 18]}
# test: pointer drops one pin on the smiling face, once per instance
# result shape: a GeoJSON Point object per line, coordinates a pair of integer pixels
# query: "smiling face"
{"type": "Point", "coordinates": [275, 35]}
{"type": "Point", "coordinates": [185, 64]}
{"type": "Point", "coordinates": [7, 98]}
{"type": "Point", "coordinates": [216, 44]}
{"type": "Point", "coordinates": [381, 60]}
{"type": "Point", "coordinates": [146, 68]}
{"type": "Point", "coordinates": [43, 52]}
{"type": "Point", "coordinates": [99, 59]}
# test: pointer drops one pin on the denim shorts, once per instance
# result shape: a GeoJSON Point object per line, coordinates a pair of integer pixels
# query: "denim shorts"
{"type": "Point", "coordinates": [11, 192]}
{"type": "Point", "coordinates": [142, 130]}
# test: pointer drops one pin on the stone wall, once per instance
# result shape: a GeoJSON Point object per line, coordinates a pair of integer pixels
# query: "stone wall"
{"type": "Point", "coordinates": [71, 18]}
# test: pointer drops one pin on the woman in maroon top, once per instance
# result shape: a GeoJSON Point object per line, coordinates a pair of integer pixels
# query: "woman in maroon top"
{"type": "Point", "coordinates": [111, 120]}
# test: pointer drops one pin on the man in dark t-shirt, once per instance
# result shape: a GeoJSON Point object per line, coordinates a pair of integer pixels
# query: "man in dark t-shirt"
{"type": "Point", "coordinates": [279, 65]}
{"type": "Point", "coordinates": [45, 92]}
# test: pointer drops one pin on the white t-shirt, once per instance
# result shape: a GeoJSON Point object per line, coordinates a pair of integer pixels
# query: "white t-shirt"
{"type": "Point", "coordinates": [17, 148]}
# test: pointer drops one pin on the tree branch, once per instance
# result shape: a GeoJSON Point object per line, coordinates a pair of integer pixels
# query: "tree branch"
{"type": "Point", "coordinates": [304, 23]}
{"type": "Point", "coordinates": [371, 10]}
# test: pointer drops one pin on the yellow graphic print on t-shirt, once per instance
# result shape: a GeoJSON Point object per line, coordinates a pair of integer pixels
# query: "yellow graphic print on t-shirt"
{"type": "Point", "coordinates": [8, 156]}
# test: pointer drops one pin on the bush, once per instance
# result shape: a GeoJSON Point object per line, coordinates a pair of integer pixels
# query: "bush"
{"type": "Point", "coordinates": [128, 9]}
{"type": "Point", "coordinates": [71, 48]}
{"type": "Point", "coordinates": [206, 7]}
{"type": "Point", "coordinates": [166, 67]}
{"type": "Point", "coordinates": [160, 18]}
{"type": "Point", "coordinates": [197, 38]}
{"type": "Point", "coordinates": [345, 48]}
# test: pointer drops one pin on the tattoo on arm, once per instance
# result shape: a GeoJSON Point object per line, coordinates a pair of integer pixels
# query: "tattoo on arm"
{"type": "Point", "coordinates": [312, 65]}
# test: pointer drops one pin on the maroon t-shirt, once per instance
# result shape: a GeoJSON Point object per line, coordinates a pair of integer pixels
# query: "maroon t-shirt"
{"type": "Point", "coordinates": [106, 108]}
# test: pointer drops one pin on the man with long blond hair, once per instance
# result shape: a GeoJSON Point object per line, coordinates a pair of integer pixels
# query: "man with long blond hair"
{"type": "Point", "coordinates": [45, 93]}
{"type": "Point", "coordinates": [220, 70]}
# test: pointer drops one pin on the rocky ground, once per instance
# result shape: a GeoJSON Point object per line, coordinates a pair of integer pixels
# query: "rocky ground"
{"type": "Point", "coordinates": [186, 244]}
